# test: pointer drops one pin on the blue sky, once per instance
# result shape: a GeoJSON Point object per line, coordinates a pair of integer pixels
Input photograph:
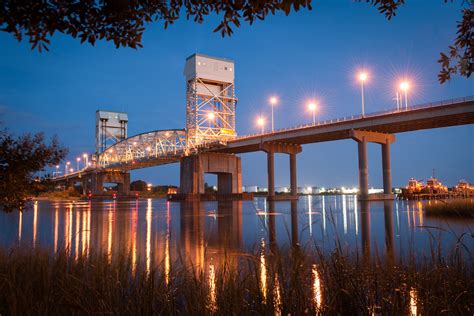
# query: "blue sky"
{"type": "Point", "coordinates": [309, 54]}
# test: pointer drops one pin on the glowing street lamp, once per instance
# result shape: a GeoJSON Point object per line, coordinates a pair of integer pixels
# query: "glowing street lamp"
{"type": "Point", "coordinates": [261, 123]}
{"type": "Point", "coordinates": [312, 107]}
{"type": "Point", "coordinates": [78, 159]}
{"type": "Point", "coordinates": [404, 86]}
{"type": "Point", "coordinates": [71, 170]}
{"type": "Point", "coordinates": [86, 160]}
{"type": "Point", "coordinates": [66, 166]}
{"type": "Point", "coordinates": [362, 78]}
{"type": "Point", "coordinates": [273, 102]}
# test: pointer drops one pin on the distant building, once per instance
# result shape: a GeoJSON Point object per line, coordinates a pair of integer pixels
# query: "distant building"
{"type": "Point", "coordinates": [374, 190]}
{"type": "Point", "coordinates": [353, 190]}
{"type": "Point", "coordinates": [250, 189]}
{"type": "Point", "coordinates": [282, 189]}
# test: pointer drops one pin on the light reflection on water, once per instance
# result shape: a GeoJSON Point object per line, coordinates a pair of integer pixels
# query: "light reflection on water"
{"type": "Point", "coordinates": [157, 232]}
{"type": "Point", "coordinates": [317, 289]}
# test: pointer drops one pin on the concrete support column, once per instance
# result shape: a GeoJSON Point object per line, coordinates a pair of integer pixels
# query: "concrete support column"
{"type": "Point", "coordinates": [97, 185]}
{"type": "Point", "coordinates": [387, 173]}
{"type": "Point", "coordinates": [126, 183]}
{"type": "Point", "coordinates": [271, 174]}
{"type": "Point", "coordinates": [224, 183]}
{"type": "Point", "coordinates": [293, 183]}
{"type": "Point", "coordinates": [363, 170]}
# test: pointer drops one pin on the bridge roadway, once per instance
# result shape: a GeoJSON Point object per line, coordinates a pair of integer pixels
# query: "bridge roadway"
{"type": "Point", "coordinates": [427, 116]}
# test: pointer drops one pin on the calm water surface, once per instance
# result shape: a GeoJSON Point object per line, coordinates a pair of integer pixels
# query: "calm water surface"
{"type": "Point", "coordinates": [156, 231]}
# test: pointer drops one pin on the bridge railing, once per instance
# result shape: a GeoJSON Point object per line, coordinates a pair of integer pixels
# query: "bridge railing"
{"type": "Point", "coordinates": [369, 115]}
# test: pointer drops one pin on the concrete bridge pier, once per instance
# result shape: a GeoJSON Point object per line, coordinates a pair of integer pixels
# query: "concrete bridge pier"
{"type": "Point", "coordinates": [94, 182]}
{"type": "Point", "coordinates": [227, 167]}
{"type": "Point", "coordinates": [387, 170]}
{"type": "Point", "coordinates": [362, 138]}
{"type": "Point", "coordinates": [292, 150]}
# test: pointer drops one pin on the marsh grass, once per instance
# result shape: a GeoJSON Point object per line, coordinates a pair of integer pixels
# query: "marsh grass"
{"type": "Point", "coordinates": [455, 208]}
{"type": "Point", "coordinates": [38, 282]}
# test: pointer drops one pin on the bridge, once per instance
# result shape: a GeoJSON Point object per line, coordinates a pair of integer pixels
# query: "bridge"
{"type": "Point", "coordinates": [209, 143]}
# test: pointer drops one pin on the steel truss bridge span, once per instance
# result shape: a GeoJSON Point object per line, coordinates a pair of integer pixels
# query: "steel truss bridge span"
{"type": "Point", "coordinates": [145, 150]}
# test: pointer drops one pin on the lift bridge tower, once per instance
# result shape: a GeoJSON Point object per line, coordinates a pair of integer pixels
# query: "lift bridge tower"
{"type": "Point", "coordinates": [210, 99]}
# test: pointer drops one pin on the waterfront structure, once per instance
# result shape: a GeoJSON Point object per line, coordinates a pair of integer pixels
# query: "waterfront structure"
{"type": "Point", "coordinates": [209, 143]}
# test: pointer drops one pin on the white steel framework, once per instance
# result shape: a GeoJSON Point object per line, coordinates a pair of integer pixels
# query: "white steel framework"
{"type": "Point", "coordinates": [111, 127]}
{"type": "Point", "coordinates": [144, 150]}
{"type": "Point", "coordinates": [210, 100]}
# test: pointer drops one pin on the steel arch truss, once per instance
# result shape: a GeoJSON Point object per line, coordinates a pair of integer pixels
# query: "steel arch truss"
{"type": "Point", "coordinates": [145, 150]}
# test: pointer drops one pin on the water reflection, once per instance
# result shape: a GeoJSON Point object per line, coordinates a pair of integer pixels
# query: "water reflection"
{"type": "Point", "coordinates": [20, 225]}
{"type": "Point", "coordinates": [110, 232]}
{"type": "Point", "coordinates": [263, 272]}
{"type": "Point", "coordinates": [277, 295]}
{"type": "Point", "coordinates": [389, 237]}
{"type": "Point", "coordinates": [317, 290]}
{"type": "Point", "coordinates": [148, 236]}
{"type": "Point", "coordinates": [294, 224]}
{"type": "Point", "coordinates": [56, 228]}
{"type": "Point", "coordinates": [365, 227]}
{"type": "Point", "coordinates": [212, 288]}
{"type": "Point", "coordinates": [156, 233]}
{"type": "Point", "coordinates": [35, 222]}
{"type": "Point", "coordinates": [413, 302]}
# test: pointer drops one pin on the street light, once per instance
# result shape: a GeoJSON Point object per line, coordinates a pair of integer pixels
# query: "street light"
{"type": "Point", "coordinates": [261, 123]}
{"type": "Point", "coordinates": [78, 159]}
{"type": "Point", "coordinates": [86, 160]}
{"type": "Point", "coordinates": [404, 86]}
{"type": "Point", "coordinates": [312, 107]}
{"type": "Point", "coordinates": [273, 101]}
{"type": "Point", "coordinates": [57, 171]}
{"type": "Point", "coordinates": [66, 166]}
{"type": "Point", "coordinates": [71, 170]}
{"type": "Point", "coordinates": [362, 78]}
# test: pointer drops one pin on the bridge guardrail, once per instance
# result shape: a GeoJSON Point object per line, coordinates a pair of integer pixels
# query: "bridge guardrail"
{"type": "Point", "coordinates": [372, 114]}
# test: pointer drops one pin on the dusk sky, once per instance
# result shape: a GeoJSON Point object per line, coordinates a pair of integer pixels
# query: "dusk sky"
{"type": "Point", "coordinates": [309, 54]}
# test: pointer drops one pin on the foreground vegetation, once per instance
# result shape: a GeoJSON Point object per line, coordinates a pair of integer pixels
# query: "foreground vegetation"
{"type": "Point", "coordinates": [455, 208]}
{"type": "Point", "coordinates": [288, 281]}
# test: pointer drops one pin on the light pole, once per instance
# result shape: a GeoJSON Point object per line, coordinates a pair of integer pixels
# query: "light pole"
{"type": "Point", "coordinates": [261, 123]}
{"type": "Point", "coordinates": [405, 86]}
{"type": "Point", "coordinates": [66, 167]}
{"type": "Point", "coordinates": [312, 108]}
{"type": "Point", "coordinates": [78, 159]}
{"type": "Point", "coordinates": [86, 160]}
{"type": "Point", "coordinates": [362, 79]}
{"type": "Point", "coordinates": [273, 101]}
{"type": "Point", "coordinates": [57, 170]}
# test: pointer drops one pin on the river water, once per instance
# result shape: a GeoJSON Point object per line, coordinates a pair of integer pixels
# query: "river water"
{"type": "Point", "coordinates": [155, 231]}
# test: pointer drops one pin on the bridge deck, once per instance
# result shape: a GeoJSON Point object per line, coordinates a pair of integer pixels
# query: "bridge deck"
{"type": "Point", "coordinates": [435, 115]}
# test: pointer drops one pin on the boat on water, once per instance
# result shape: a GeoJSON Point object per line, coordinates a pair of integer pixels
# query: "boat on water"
{"type": "Point", "coordinates": [433, 185]}
{"type": "Point", "coordinates": [463, 186]}
{"type": "Point", "coordinates": [414, 186]}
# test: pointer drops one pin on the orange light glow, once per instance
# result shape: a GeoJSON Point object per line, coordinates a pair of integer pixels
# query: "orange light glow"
{"type": "Point", "coordinates": [363, 76]}
{"type": "Point", "coordinates": [273, 100]}
{"type": "Point", "coordinates": [405, 85]}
